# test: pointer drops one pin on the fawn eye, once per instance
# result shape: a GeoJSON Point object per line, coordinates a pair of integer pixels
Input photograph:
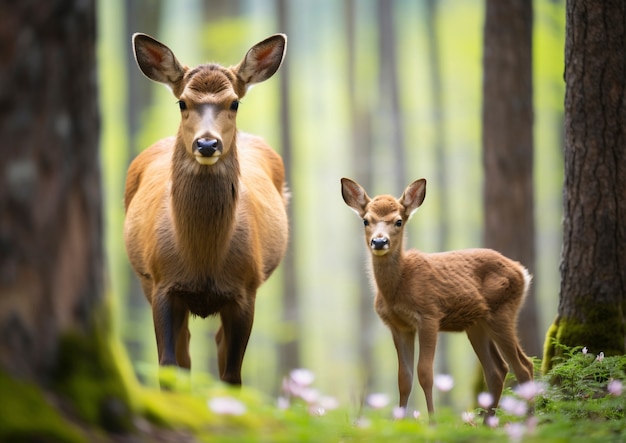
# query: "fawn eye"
{"type": "Point", "coordinates": [365, 223]}
{"type": "Point", "coordinates": [182, 105]}
{"type": "Point", "coordinates": [234, 105]}
{"type": "Point", "coordinates": [399, 223]}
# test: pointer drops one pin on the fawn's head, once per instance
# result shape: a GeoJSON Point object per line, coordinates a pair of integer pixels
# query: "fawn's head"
{"type": "Point", "coordinates": [383, 216]}
{"type": "Point", "coordinates": [208, 95]}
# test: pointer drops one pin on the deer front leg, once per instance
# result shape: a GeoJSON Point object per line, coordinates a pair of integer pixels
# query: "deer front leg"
{"type": "Point", "coordinates": [232, 340]}
{"type": "Point", "coordinates": [405, 347]}
{"type": "Point", "coordinates": [170, 324]}
{"type": "Point", "coordinates": [428, 342]}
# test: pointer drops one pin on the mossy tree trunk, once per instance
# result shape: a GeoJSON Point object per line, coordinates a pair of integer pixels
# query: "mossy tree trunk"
{"type": "Point", "coordinates": [592, 301]}
{"type": "Point", "coordinates": [53, 321]}
{"type": "Point", "coordinates": [508, 145]}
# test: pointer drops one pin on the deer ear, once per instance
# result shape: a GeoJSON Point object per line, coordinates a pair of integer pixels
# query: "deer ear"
{"type": "Point", "coordinates": [413, 196]}
{"type": "Point", "coordinates": [354, 196]}
{"type": "Point", "coordinates": [158, 62]}
{"type": "Point", "coordinates": [262, 60]}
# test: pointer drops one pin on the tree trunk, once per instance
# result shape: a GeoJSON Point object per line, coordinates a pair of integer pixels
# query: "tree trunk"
{"type": "Point", "coordinates": [592, 301]}
{"type": "Point", "coordinates": [508, 145]}
{"type": "Point", "coordinates": [53, 320]}
{"type": "Point", "coordinates": [361, 155]}
{"type": "Point", "coordinates": [289, 355]}
{"type": "Point", "coordinates": [389, 95]}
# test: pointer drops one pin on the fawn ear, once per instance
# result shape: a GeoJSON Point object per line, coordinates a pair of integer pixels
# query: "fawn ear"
{"type": "Point", "coordinates": [158, 62]}
{"type": "Point", "coordinates": [413, 196]}
{"type": "Point", "coordinates": [354, 196]}
{"type": "Point", "coordinates": [262, 60]}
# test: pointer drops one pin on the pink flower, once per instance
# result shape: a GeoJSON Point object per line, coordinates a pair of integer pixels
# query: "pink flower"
{"type": "Point", "coordinates": [514, 406]}
{"type": "Point", "coordinates": [492, 421]}
{"type": "Point", "coordinates": [227, 406]}
{"type": "Point", "coordinates": [302, 377]}
{"type": "Point", "coordinates": [468, 417]}
{"type": "Point", "coordinates": [515, 431]}
{"type": "Point", "coordinates": [485, 400]}
{"type": "Point", "coordinates": [444, 382]}
{"type": "Point", "coordinates": [416, 414]}
{"type": "Point", "coordinates": [399, 412]}
{"type": "Point", "coordinates": [377, 401]}
{"type": "Point", "coordinates": [615, 387]}
{"type": "Point", "coordinates": [529, 390]}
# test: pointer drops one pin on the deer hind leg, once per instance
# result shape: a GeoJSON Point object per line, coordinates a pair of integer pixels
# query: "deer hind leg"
{"type": "Point", "coordinates": [232, 340]}
{"type": "Point", "coordinates": [494, 366]}
{"type": "Point", "coordinates": [505, 337]}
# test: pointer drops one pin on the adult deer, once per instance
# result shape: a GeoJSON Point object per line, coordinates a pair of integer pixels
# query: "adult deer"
{"type": "Point", "coordinates": [206, 219]}
{"type": "Point", "coordinates": [478, 291]}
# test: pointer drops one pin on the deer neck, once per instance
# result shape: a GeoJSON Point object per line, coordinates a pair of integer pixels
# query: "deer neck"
{"type": "Point", "coordinates": [204, 200]}
{"type": "Point", "coordinates": [387, 271]}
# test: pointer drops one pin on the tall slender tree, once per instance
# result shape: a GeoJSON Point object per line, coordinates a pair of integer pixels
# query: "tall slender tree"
{"type": "Point", "coordinates": [389, 94]}
{"type": "Point", "coordinates": [289, 354]}
{"type": "Point", "coordinates": [592, 300]}
{"type": "Point", "coordinates": [361, 155]}
{"type": "Point", "coordinates": [508, 144]}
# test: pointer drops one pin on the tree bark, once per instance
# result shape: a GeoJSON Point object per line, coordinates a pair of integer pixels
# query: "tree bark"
{"type": "Point", "coordinates": [592, 301]}
{"type": "Point", "coordinates": [54, 321]}
{"type": "Point", "coordinates": [51, 256]}
{"type": "Point", "coordinates": [508, 145]}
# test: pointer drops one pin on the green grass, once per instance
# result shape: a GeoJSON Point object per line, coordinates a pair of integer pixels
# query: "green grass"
{"type": "Point", "coordinates": [573, 404]}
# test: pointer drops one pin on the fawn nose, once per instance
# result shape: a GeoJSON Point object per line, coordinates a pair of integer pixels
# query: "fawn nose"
{"type": "Point", "coordinates": [380, 243]}
{"type": "Point", "coordinates": [207, 147]}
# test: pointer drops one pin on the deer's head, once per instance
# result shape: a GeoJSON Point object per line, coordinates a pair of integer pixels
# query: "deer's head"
{"type": "Point", "coordinates": [383, 216]}
{"type": "Point", "coordinates": [208, 95]}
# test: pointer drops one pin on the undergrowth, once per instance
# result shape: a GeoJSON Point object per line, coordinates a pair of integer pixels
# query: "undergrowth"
{"type": "Point", "coordinates": [581, 399]}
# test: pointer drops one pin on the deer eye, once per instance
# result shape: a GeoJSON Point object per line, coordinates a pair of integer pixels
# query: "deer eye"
{"type": "Point", "coordinates": [234, 105]}
{"type": "Point", "coordinates": [365, 223]}
{"type": "Point", "coordinates": [182, 105]}
{"type": "Point", "coordinates": [399, 223]}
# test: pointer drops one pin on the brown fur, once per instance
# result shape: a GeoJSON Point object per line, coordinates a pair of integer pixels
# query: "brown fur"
{"type": "Point", "coordinates": [202, 238]}
{"type": "Point", "coordinates": [478, 291]}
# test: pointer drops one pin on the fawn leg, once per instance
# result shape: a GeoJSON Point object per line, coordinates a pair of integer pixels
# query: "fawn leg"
{"type": "Point", "coordinates": [494, 367]}
{"type": "Point", "coordinates": [428, 342]}
{"type": "Point", "coordinates": [405, 347]}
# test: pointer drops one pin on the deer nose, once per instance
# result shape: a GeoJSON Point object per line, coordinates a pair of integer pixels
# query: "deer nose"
{"type": "Point", "coordinates": [379, 243]}
{"type": "Point", "coordinates": [208, 146]}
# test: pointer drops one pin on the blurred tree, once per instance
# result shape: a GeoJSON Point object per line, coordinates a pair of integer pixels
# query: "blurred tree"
{"type": "Point", "coordinates": [592, 301]}
{"type": "Point", "coordinates": [141, 16]}
{"type": "Point", "coordinates": [440, 179]}
{"type": "Point", "coordinates": [508, 145]}
{"type": "Point", "coordinates": [389, 96]}
{"type": "Point", "coordinates": [289, 354]}
{"type": "Point", "coordinates": [52, 313]}
{"type": "Point", "coordinates": [361, 154]}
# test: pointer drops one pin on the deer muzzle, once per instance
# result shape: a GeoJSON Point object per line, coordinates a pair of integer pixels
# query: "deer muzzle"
{"type": "Point", "coordinates": [208, 151]}
{"type": "Point", "coordinates": [379, 245]}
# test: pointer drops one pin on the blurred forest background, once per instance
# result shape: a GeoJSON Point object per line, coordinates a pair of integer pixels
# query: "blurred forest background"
{"type": "Point", "coordinates": [381, 91]}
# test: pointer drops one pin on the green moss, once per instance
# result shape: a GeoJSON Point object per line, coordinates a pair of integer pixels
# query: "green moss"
{"type": "Point", "coordinates": [549, 347]}
{"type": "Point", "coordinates": [89, 372]}
{"type": "Point", "coordinates": [26, 416]}
{"type": "Point", "coordinates": [602, 330]}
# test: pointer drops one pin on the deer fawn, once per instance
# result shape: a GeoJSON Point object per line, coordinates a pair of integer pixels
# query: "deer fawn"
{"type": "Point", "coordinates": [206, 219]}
{"type": "Point", "coordinates": [478, 291]}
